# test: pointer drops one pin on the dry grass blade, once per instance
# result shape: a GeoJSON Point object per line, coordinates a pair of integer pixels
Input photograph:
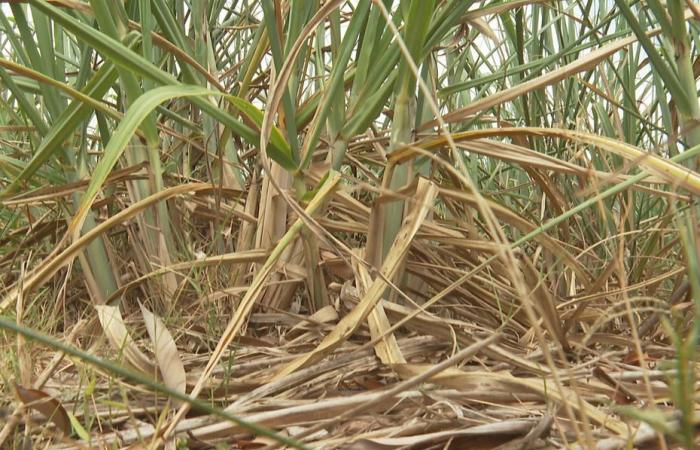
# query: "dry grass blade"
{"type": "Point", "coordinates": [54, 263]}
{"type": "Point", "coordinates": [230, 258]}
{"type": "Point", "coordinates": [387, 348]}
{"type": "Point", "coordinates": [417, 320]}
{"type": "Point", "coordinates": [251, 295]}
{"type": "Point", "coordinates": [409, 383]}
{"type": "Point", "coordinates": [425, 195]}
{"type": "Point", "coordinates": [672, 173]}
{"type": "Point", "coordinates": [482, 381]}
{"type": "Point", "coordinates": [502, 430]}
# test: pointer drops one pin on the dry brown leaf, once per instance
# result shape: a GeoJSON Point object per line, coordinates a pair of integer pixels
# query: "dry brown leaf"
{"type": "Point", "coordinates": [484, 28]}
{"type": "Point", "coordinates": [517, 427]}
{"type": "Point", "coordinates": [387, 348]}
{"type": "Point", "coordinates": [45, 404]}
{"type": "Point", "coordinates": [256, 288]}
{"type": "Point", "coordinates": [167, 356]}
{"type": "Point", "coordinates": [499, 8]}
{"type": "Point", "coordinates": [120, 339]}
{"type": "Point", "coordinates": [426, 192]}
{"type": "Point", "coordinates": [517, 221]}
{"type": "Point", "coordinates": [672, 173]}
{"type": "Point", "coordinates": [327, 314]}
{"type": "Point", "coordinates": [60, 259]}
{"type": "Point", "coordinates": [480, 380]}
{"type": "Point", "coordinates": [545, 301]}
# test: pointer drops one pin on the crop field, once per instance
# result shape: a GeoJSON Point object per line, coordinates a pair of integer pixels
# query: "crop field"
{"type": "Point", "coordinates": [349, 224]}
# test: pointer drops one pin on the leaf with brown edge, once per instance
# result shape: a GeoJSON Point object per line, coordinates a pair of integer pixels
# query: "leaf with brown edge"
{"type": "Point", "coordinates": [46, 405]}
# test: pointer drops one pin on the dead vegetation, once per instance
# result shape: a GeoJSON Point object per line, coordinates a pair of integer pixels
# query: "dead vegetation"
{"type": "Point", "coordinates": [358, 225]}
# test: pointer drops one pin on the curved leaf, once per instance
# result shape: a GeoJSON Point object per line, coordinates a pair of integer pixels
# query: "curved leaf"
{"type": "Point", "coordinates": [45, 404]}
{"type": "Point", "coordinates": [168, 358]}
{"type": "Point", "coordinates": [119, 338]}
{"type": "Point", "coordinates": [138, 111]}
{"type": "Point", "coordinates": [280, 152]}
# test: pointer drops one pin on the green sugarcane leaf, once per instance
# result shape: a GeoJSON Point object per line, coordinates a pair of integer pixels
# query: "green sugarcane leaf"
{"type": "Point", "coordinates": [133, 118]}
